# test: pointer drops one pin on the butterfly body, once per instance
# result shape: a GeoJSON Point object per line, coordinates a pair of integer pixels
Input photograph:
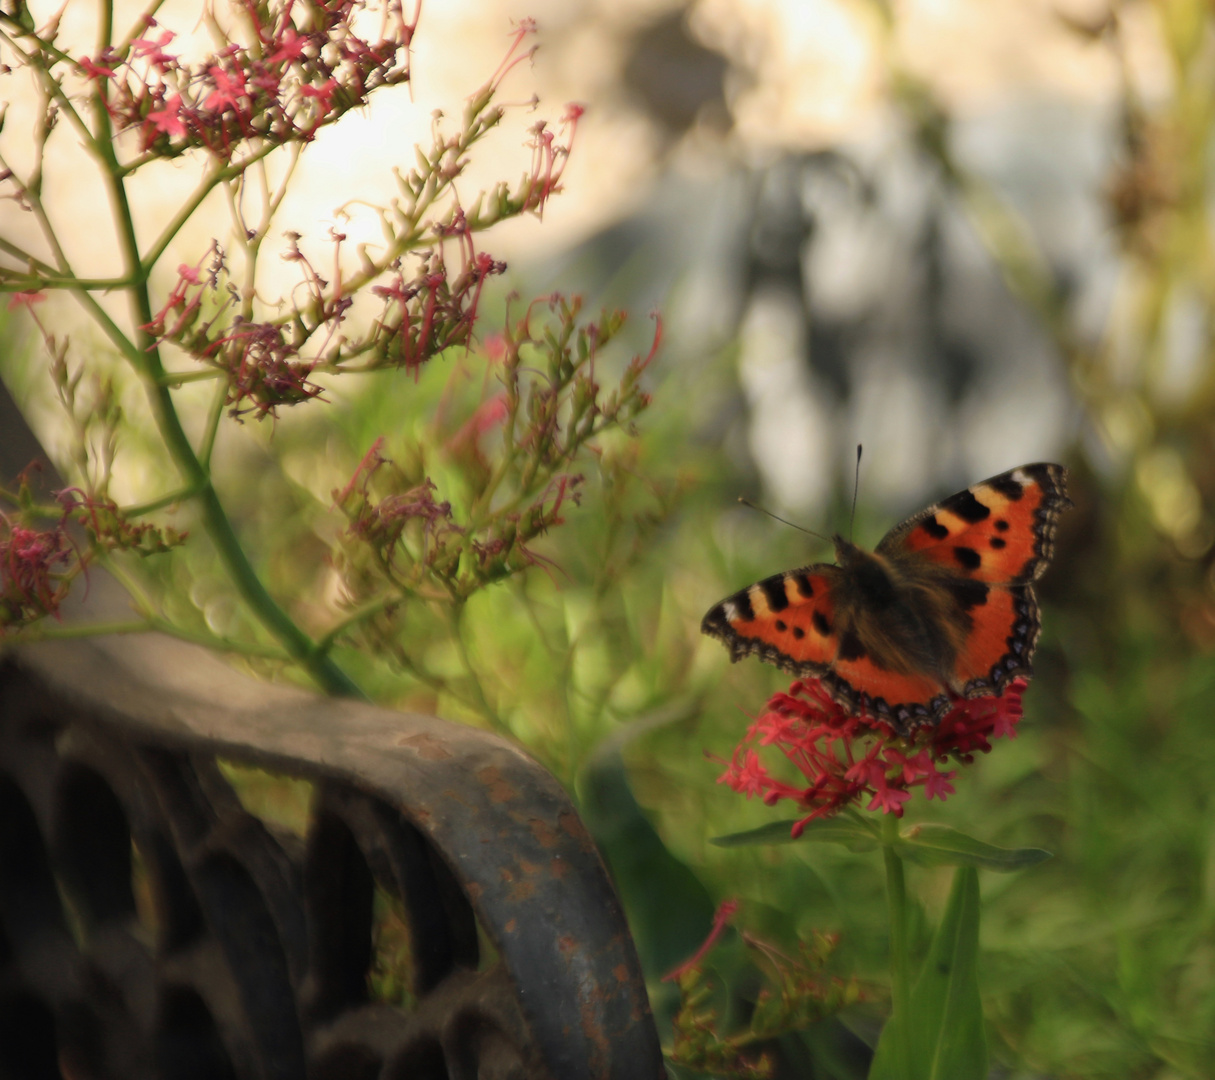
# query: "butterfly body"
{"type": "Point", "coordinates": [944, 605]}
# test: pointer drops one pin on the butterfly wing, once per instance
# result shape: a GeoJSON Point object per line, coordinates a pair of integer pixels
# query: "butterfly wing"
{"type": "Point", "coordinates": [801, 622]}
{"type": "Point", "coordinates": [787, 620]}
{"type": "Point", "coordinates": [984, 547]}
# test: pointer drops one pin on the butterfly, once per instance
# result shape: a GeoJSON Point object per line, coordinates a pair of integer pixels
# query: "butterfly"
{"type": "Point", "coordinates": [944, 607]}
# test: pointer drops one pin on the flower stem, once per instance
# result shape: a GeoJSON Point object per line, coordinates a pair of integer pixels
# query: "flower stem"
{"type": "Point", "coordinates": [145, 357]}
{"type": "Point", "coordinates": [900, 977]}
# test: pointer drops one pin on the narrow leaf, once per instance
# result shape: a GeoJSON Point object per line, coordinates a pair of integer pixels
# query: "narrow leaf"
{"type": "Point", "coordinates": [836, 831]}
{"type": "Point", "coordinates": [946, 1015]}
{"type": "Point", "coordinates": [941, 845]}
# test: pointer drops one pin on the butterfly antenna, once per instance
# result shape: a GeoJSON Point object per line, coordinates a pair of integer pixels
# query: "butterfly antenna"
{"type": "Point", "coordinates": [799, 528]}
{"type": "Point", "coordinates": [856, 487]}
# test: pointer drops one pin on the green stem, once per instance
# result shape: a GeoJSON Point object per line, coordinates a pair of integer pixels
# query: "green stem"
{"type": "Point", "coordinates": [140, 509]}
{"type": "Point", "coordinates": [214, 642]}
{"type": "Point", "coordinates": [214, 414]}
{"type": "Point", "coordinates": [900, 963]}
{"type": "Point", "coordinates": [456, 622]}
{"type": "Point", "coordinates": [174, 380]}
{"type": "Point", "coordinates": [146, 358]}
{"type": "Point", "coordinates": [357, 616]}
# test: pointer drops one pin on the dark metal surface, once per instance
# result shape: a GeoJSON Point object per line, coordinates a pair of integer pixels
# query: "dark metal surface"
{"type": "Point", "coordinates": [250, 955]}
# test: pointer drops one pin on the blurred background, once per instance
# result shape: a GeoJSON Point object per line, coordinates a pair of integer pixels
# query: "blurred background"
{"type": "Point", "coordinates": [968, 234]}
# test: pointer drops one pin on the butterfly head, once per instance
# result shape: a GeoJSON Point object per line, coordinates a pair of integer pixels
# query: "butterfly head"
{"type": "Point", "coordinates": [847, 554]}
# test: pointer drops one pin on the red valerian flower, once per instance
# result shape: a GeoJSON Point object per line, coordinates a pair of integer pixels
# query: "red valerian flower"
{"type": "Point", "coordinates": [94, 69]}
{"type": "Point", "coordinates": [847, 758]}
{"type": "Point", "coordinates": [169, 118]}
{"type": "Point", "coordinates": [25, 300]}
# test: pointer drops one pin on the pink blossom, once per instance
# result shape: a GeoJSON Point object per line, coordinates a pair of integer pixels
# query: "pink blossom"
{"type": "Point", "coordinates": [290, 47]}
{"type": "Point", "coordinates": [228, 90]}
{"type": "Point", "coordinates": [25, 300]}
{"type": "Point", "coordinates": [31, 584]}
{"type": "Point", "coordinates": [167, 119]}
{"type": "Point", "coordinates": [846, 757]}
{"type": "Point", "coordinates": [153, 51]}
{"type": "Point", "coordinates": [322, 93]}
{"type": "Point", "coordinates": [748, 778]}
{"type": "Point", "coordinates": [889, 800]}
{"type": "Point", "coordinates": [490, 414]}
{"type": "Point", "coordinates": [94, 70]}
{"type": "Point", "coordinates": [937, 785]}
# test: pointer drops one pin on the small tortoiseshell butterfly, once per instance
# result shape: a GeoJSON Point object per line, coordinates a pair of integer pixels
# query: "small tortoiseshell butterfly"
{"type": "Point", "coordinates": [944, 606]}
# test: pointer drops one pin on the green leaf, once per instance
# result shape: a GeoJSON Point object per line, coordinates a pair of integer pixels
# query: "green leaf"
{"type": "Point", "coordinates": [940, 845]}
{"type": "Point", "coordinates": [947, 1040]}
{"type": "Point", "coordinates": [836, 831]}
{"type": "Point", "coordinates": [670, 910]}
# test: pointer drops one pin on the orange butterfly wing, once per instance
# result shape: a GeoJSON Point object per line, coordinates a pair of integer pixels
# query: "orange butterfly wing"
{"type": "Point", "coordinates": [787, 619]}
{"type": "Point", "coordinates": [991, 540]}
{"type": "Point", "coordinates": [972, 556]}
{"type": "Point", "coordinates": [1000, 531]}
{"type": "Point", "coordinates": [790, 620]}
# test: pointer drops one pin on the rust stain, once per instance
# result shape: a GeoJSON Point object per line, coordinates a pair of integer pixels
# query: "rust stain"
{"type": "Point", "coordinates": [573, 827]}
{"type": "Point", "coordinates": [500, 790]}
{"type": "Point", "coordinates": [457, 796]}
{"type": "Point", "coordinates": [524, 890]}
{"type": "Point", "coordinates": [426, 746]}
{"type": "Point", "coordinates": [511, 926]}
{"type": "Point", "coordinates": [594, 1031]}
{"type": "Point", "coordinates": [621, 971]}
{"type": "Point", "coordinates": [474, 890]}
{"type": "Point", "coordinates": [506, 874]}
{"type": "Point", "coordinates": [558, 868]}
{"type": "Point", "coordinates": [567, 944]}
{"type": "Point", "coordinates": [545, 834]}
{"type": "Point", "coordinates": [529, 868]}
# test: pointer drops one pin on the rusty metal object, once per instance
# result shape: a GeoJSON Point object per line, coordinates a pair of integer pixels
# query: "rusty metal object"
{"type": "Point", "coordinates": [246, 952]}
{"type": "Point", "coordinates": [254, 960]}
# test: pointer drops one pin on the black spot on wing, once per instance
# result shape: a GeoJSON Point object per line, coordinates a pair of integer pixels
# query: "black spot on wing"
{"type": "Point", "coordinates": [1012, 489]}
{"type": "Point", "coordinates": [969, 594]}
{"type": "Point", "coordinates": [1002, 525]}
{"type": "Point", "coordinates": [967, 507]}
{"type": "Point", "coordinates": [820, 623]}
{"type": "Point", "coordinates": [850, 647]}
{"type": "Point", "coordinates": [773, 589]}
{"type": "Point", "coordinates": [781, 625]}
{"type": "Point", "coordinates": [934, 528]}
{"type": "Point", "coordinates": [968, 557]}
{"type": "Point", "coordinates": [742, 604]}
{"type": "Point", "coordinates": [799, 633]}
{"type": "Point", "coordinates": [803, 585]}
{"type": "Point", "coordinates": [997, 543]}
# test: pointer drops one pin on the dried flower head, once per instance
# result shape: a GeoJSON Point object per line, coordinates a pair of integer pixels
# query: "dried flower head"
{"type": "Point", "coordinates": [33, 578]}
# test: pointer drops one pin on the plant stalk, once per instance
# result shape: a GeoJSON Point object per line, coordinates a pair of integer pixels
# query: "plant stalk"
{"type": "Point", "coordinates": [900, 965]}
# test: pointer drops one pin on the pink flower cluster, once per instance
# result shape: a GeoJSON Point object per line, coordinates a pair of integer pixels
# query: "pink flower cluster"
{"type": "Point", "coordinates": [847, 758]}
{"type": "Point", "coordinates": [305, 66]}
{"type": "Point", "coordinates": [32, 572]}
{"type": "Point", "coordinates": [432, 311]}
